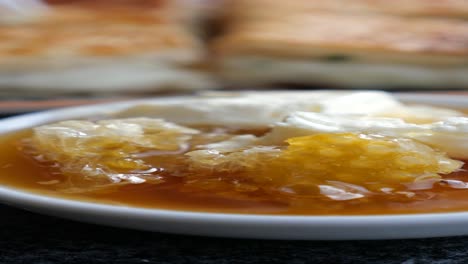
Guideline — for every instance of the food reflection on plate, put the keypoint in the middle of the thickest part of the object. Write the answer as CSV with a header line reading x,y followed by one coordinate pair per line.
x,y
298,153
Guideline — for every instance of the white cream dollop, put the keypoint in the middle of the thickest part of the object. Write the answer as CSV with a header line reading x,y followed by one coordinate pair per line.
x,y
262,109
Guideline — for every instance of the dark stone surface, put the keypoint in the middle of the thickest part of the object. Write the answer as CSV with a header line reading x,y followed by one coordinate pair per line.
x,y
31,238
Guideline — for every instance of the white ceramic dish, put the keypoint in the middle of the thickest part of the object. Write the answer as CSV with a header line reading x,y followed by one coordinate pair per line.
x,y
234,225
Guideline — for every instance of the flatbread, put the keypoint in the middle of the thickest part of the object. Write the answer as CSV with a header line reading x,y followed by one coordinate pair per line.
x,y
96,46
344,49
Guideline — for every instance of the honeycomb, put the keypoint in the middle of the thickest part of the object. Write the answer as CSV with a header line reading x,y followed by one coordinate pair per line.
x,y
341,166
360,159
109,150
309,162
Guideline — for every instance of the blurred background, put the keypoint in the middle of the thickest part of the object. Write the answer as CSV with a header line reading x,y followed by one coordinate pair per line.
x,y
64,52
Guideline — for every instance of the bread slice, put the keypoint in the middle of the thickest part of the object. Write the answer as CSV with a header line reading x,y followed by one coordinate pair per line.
x,y
347,50
98,46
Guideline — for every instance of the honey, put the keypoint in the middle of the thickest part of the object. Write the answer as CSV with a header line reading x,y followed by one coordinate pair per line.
x,y
178,186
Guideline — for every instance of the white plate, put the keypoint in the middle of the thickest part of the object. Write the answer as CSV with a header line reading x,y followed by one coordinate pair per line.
x,y
234,225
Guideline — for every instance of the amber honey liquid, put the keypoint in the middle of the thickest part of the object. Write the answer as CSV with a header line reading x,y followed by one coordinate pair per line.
x,y
19,171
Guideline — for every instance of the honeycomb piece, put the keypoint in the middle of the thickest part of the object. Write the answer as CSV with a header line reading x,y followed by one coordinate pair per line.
x,y
358,159
109,148
214,161
308,163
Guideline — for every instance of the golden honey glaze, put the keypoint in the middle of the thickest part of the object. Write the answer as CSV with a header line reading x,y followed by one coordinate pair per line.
x,y
19,171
